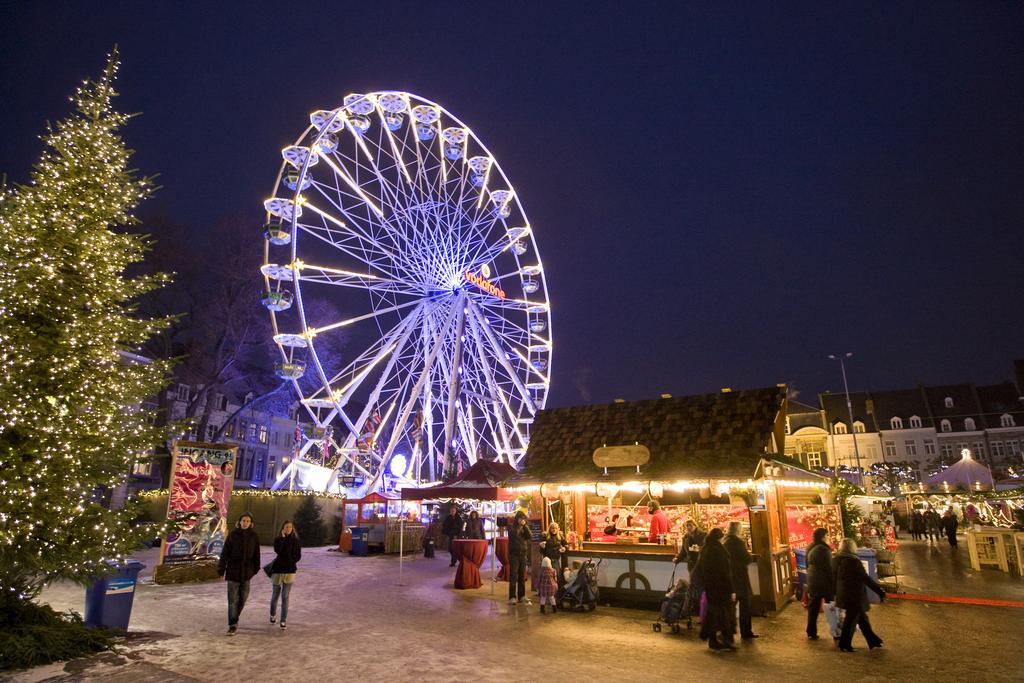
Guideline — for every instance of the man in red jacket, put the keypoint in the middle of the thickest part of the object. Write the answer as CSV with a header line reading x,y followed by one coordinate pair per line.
x,y
659,522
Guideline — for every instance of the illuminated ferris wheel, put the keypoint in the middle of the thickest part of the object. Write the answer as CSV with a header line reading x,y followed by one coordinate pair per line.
x,y
393,225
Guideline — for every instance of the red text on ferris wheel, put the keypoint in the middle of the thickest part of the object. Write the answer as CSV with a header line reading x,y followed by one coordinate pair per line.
x,y
485,285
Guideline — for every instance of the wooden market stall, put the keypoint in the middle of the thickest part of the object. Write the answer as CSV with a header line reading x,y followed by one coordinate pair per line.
x,y
710,459
381,514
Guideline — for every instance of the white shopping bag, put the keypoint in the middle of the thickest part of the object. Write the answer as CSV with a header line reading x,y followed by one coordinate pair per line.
x,y
834,617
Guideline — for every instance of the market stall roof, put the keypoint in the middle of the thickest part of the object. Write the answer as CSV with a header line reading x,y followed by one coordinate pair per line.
x,y
721,435
479,482
375,497
967,473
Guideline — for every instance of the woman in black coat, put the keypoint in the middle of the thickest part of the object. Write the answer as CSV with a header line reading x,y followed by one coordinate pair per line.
x,y
820,582
283,569
553,547
851,581
715,573
239,562
474,527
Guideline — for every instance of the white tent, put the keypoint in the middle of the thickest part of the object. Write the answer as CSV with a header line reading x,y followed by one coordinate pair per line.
x,y
968,473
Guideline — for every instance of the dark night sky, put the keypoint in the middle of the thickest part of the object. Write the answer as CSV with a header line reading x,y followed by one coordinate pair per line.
x,y
722,193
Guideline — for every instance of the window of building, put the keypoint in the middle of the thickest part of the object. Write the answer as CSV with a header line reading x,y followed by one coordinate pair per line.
x,y
142,468
872,453
787,425
890,449
182,392
814,460
263,433
1013,447
978,452
271,469
998,451
1007,421
221,402
896,423
946,426
858,427
229,431
210,431
969,424
839,428
911,447
929,447
949,401
915,422
250,432
947,451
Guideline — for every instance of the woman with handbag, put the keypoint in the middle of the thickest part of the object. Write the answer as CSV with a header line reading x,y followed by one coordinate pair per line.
x,y
283,569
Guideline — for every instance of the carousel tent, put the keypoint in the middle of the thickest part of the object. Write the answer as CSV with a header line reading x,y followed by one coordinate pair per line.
x,y
479,482
968,474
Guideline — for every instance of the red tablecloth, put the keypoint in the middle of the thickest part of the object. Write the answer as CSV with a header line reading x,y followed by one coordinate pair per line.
x,y
501,552
471,554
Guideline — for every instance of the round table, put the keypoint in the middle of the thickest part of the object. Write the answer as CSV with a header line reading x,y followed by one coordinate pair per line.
x,y
471,554
501,552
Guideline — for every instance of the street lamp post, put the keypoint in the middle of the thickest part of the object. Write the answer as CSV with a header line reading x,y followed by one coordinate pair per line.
x,y
849,407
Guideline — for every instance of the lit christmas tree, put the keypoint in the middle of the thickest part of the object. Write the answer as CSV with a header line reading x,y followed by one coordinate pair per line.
x,y
70,397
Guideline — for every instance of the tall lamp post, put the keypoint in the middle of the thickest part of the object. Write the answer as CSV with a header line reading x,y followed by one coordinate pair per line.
x,y
849,407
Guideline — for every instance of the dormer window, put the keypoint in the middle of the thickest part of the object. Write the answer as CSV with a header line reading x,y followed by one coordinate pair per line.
x,y
788,428
896,423
858,427
915,422
949,401
1006,420
839,428
969,425
946,426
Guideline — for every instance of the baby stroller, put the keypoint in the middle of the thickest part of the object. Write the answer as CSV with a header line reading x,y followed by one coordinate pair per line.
x,y
581,593
676,606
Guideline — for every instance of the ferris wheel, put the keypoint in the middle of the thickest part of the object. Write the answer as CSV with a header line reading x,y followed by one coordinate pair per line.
x,y
394,231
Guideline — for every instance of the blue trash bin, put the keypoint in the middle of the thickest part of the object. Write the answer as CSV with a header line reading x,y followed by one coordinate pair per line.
x,y
108,601
870,561
360,541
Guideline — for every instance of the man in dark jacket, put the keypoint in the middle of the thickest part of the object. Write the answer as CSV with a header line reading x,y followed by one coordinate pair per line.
x,y
452,529
239,562
739,560
519,538
820,582
949,525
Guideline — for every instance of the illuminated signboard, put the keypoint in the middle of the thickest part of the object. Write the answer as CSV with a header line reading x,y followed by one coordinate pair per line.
x,y
483,284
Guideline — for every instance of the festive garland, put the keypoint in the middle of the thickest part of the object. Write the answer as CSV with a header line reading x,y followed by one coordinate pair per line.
x,y
251,493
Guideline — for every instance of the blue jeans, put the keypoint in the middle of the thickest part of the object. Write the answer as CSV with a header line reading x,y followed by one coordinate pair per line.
x,y
238,591
282,589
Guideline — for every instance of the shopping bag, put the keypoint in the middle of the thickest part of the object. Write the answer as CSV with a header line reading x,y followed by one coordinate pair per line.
x,y
834,617
268,569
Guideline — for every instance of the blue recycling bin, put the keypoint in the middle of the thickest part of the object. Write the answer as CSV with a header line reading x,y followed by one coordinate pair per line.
x,y
360,541
870,561
108,601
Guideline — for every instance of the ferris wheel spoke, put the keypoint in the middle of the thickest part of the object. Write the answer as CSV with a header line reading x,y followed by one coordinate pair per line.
x,y
499,355
491,386
345,323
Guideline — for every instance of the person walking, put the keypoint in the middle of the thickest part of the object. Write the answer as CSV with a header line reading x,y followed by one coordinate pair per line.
x,y
239,562
716,576
548,585
739,560
949,525
820,582
283,569
474,527
452,529
933,524
518,558
851,581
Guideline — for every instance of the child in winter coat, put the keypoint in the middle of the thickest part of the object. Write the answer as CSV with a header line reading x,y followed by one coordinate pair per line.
x,y
548,585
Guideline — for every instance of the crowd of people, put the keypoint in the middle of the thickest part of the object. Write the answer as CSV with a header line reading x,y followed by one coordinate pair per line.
x,y
928,525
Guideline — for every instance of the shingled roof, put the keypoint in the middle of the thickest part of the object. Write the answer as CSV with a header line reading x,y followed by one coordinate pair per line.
x,y
709,435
